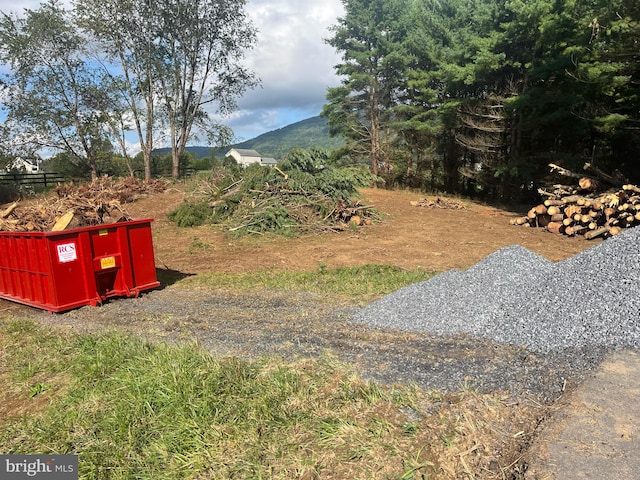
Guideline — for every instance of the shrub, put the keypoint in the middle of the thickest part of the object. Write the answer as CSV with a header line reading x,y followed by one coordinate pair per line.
x,y
190,214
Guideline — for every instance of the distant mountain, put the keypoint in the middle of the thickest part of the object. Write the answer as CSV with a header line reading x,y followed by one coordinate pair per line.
x,y
312,132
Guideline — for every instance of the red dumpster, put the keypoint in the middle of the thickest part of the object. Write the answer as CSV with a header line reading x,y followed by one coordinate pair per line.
x,y
58,271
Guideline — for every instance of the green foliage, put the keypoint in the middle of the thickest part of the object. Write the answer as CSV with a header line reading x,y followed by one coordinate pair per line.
x,y
480,95
54,94
190,214
304,161
9,193
204,163
67,166
302,194
374,63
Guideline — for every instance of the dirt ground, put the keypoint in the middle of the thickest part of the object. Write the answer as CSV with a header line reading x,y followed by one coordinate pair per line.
x,y
434,239
407,236
594,432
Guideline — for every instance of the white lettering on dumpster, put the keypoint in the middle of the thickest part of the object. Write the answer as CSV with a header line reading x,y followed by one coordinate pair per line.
x,y
67,252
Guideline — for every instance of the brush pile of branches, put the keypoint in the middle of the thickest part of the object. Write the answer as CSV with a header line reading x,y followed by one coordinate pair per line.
x,y
300,195
100,201
598,205
439,202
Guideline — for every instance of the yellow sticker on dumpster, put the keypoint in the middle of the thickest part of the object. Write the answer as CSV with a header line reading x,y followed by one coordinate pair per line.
x,y
103,232
107,262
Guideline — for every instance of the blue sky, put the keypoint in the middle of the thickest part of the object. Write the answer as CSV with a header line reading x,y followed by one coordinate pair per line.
x,y
295,65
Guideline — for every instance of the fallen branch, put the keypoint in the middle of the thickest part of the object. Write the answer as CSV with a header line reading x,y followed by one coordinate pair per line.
x,y
222,198
9,210
92,203
563,171
612,180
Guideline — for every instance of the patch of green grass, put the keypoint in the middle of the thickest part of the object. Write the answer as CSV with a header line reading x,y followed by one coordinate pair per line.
x,y
198,246
362,281
132,409
37,355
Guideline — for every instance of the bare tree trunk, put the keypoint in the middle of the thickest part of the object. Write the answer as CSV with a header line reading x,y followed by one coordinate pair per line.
x,y
375,146
374,129
148,144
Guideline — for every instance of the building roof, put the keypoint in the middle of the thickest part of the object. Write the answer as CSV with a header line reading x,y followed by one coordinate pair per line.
x,y
268,161
244,152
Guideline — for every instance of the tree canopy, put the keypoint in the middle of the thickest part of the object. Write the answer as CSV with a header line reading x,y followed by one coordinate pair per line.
x,y
479,96
80,78
53,95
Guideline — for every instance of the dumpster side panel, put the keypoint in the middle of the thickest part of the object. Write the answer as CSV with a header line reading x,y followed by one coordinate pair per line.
x,y
71,270
36,276
25,274
59,271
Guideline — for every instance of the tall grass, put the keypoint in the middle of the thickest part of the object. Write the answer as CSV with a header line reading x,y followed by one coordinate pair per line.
x,y
132,409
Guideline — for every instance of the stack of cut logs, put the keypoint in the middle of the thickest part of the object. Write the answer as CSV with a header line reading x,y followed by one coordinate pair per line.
x,y
585,209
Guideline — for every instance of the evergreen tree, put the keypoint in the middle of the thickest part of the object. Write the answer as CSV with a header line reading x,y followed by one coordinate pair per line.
x,y
419,115
373,66
607,80
481,95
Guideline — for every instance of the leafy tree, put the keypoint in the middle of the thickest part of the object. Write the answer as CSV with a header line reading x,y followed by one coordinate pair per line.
x,y
67,165
54,94
177,58
6,160
205,42
126,30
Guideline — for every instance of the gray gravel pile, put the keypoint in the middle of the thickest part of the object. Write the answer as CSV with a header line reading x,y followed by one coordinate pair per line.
x,y
516,297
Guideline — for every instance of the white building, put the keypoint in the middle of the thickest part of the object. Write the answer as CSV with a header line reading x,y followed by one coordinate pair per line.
x,y
24,165
245,157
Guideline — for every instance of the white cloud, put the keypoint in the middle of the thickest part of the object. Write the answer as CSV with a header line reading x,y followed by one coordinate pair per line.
x,y
293,61
291,58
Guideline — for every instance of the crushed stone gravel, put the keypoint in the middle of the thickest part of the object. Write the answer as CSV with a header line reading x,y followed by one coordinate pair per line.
x,y
516,297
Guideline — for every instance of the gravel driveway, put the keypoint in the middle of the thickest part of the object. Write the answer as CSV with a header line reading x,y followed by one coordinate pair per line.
x,y
300,325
